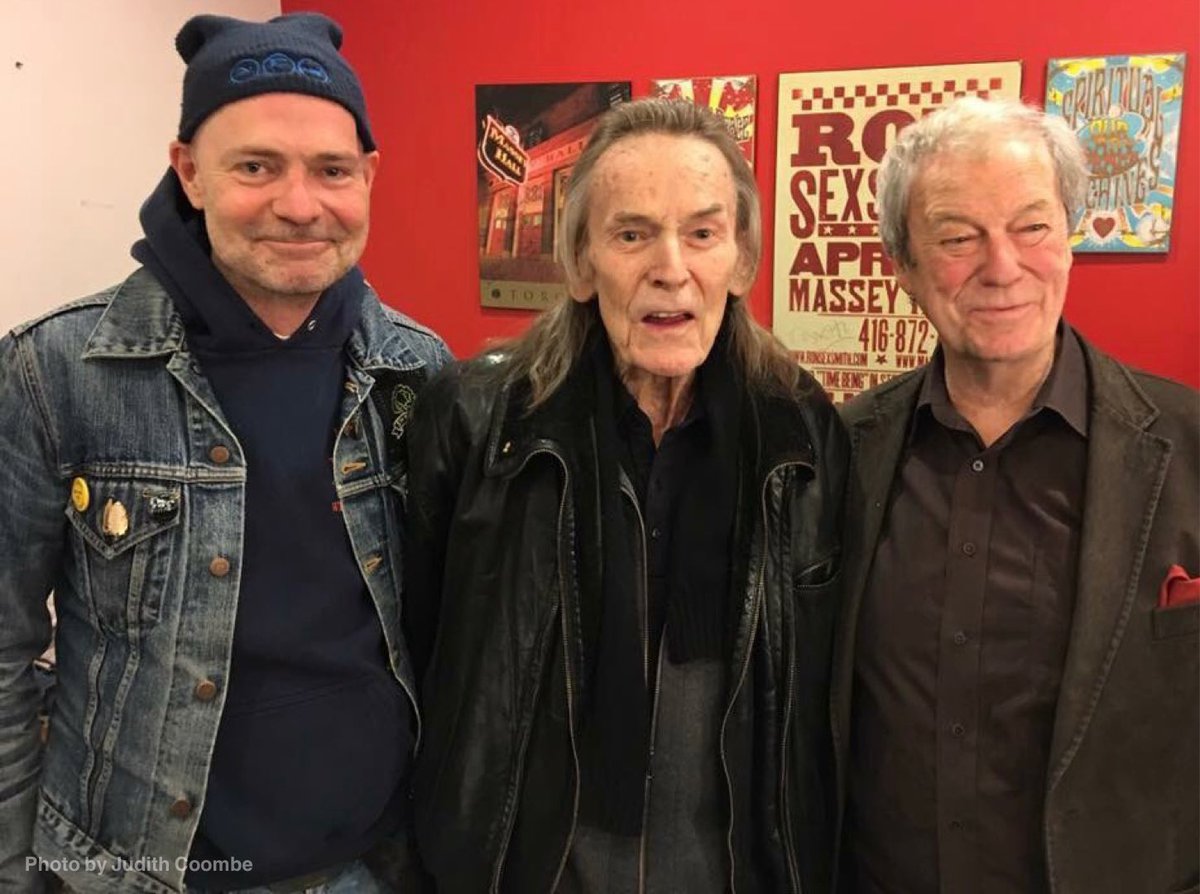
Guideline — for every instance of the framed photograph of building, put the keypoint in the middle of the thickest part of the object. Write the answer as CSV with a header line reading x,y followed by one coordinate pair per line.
x,y
527,139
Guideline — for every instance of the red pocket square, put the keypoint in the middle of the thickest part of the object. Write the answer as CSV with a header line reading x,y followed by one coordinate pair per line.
x,y
1178,589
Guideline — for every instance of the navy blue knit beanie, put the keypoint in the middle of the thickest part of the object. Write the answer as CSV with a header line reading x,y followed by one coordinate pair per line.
x,y
229,59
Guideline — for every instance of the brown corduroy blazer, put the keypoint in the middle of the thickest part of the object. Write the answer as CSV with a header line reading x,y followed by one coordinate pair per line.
x,y
1122,793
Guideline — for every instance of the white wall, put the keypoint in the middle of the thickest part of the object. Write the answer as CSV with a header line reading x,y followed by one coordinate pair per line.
x,y
89,100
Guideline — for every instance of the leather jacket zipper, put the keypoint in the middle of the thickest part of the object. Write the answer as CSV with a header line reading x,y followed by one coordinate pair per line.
x,y
758,599
758,592
789,840
498,868
567,672
645,592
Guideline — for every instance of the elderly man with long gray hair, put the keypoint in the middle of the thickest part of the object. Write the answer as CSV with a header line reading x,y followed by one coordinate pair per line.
x,y
1017,665
624,553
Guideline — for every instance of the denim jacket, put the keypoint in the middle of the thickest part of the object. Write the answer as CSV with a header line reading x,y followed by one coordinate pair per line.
x,y
124,493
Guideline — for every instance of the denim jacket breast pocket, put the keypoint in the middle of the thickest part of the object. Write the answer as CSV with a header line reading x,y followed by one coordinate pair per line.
x,y
123,541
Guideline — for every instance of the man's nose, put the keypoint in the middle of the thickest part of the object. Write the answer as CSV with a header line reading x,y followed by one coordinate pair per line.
x,y
296,201
669,270
1001,261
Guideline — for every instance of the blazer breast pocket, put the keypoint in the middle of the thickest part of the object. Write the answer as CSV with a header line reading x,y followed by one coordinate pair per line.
x,y
1177,621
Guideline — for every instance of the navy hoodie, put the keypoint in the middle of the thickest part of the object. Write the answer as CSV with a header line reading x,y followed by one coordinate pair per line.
x,y
313,747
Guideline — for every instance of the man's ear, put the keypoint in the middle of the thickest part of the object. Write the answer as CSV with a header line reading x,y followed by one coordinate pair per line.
x,y
583,286
183,162
1069,223
905,276
743,274
370,167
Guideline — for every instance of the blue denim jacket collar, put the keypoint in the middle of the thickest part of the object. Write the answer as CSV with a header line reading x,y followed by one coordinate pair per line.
x,y
140,321
376,343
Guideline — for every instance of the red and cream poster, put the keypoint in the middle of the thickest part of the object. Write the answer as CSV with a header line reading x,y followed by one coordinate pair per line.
x,y
837,305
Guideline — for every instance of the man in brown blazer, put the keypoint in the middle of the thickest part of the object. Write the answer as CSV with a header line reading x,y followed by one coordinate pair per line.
x,y
1015,698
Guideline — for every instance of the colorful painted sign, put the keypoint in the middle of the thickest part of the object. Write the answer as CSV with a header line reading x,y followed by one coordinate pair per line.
x,y
731,97
1126,111
837,305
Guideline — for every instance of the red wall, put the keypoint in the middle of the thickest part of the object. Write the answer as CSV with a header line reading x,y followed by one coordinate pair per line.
x,y
420,62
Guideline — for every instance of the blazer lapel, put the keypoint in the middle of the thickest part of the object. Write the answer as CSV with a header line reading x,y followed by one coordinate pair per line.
x,y
877,435
1126,469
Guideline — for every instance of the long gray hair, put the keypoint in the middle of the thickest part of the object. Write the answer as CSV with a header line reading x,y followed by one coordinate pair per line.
x,y
555,340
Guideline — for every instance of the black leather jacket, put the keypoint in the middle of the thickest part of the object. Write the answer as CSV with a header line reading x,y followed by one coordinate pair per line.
x,y
492,608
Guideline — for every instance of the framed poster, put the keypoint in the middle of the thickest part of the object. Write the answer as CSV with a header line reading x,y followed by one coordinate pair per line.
x,y
733,97
837,305
1125,111
527,138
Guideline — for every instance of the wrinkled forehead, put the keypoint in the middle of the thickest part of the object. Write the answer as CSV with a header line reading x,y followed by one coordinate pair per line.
x,y
967,165
655,168
977,146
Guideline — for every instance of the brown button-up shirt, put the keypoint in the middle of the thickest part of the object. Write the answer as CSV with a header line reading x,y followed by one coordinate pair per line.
x,y
961,640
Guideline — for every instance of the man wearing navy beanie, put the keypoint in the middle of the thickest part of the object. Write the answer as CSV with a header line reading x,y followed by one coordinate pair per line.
x,y
208,461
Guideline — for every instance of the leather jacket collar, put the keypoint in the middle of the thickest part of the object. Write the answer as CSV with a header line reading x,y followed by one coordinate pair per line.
x,y
778,438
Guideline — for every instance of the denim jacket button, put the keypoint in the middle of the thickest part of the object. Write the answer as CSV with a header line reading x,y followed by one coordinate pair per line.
x,y
219,454
218,567
181,808
205,691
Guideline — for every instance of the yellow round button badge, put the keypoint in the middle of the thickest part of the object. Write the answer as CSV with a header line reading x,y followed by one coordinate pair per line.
x,y
80,497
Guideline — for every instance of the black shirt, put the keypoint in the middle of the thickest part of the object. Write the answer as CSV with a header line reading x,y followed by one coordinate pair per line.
x,y
961,641
658,475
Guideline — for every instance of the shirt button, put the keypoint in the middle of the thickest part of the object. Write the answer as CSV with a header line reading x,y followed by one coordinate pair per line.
x,y
219,566
205,691
181,808
219,454
957,730
977,465
968,548
312,324
960,638
655,533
